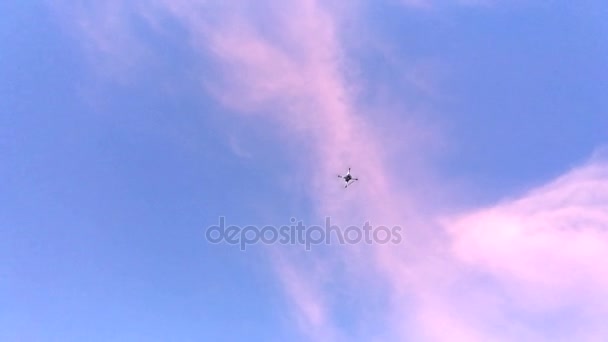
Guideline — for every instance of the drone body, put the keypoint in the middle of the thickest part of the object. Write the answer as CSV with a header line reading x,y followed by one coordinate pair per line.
x,y
348,178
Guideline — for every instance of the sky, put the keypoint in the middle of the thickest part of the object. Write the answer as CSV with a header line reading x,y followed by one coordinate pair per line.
x,y
129,128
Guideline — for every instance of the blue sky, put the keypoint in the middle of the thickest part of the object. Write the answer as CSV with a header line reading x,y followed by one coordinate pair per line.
x,y
128,128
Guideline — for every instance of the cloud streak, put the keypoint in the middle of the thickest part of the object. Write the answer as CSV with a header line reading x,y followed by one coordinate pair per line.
x,y
544,248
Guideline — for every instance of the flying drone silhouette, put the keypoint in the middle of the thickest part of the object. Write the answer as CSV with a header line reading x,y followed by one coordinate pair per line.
x,y
348,178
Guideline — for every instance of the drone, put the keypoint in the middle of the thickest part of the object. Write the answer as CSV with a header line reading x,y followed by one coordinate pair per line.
x,y
348,179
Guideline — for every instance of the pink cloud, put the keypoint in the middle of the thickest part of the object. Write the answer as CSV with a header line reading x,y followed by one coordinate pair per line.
x,y
545,246
298,77
516,271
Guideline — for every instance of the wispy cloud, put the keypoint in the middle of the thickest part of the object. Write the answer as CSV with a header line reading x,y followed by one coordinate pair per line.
x,y
543,249
107,34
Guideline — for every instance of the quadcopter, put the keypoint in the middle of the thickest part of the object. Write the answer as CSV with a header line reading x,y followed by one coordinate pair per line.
x,y
348,179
